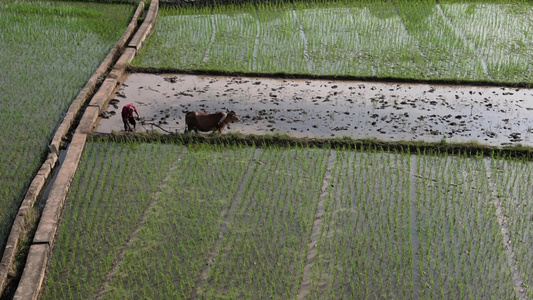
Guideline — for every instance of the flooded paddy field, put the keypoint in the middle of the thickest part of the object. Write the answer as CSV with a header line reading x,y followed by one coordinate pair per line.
x,y
210,221
496,116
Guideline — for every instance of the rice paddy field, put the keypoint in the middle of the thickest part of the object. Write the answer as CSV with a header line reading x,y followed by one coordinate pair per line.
x,y
466,41
174,221
218,221
49,51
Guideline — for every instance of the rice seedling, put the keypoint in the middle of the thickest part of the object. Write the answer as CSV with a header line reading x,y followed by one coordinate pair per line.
x,y
264,249
184,47
49,50
130,203
512,178
446,40
182,225
364,244
462,252
280,25
502,39
96,224
147,219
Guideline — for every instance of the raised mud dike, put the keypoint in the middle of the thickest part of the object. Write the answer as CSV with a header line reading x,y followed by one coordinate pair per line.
x,y
496,116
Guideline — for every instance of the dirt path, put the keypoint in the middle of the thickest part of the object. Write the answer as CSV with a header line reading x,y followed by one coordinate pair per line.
x,y
319,108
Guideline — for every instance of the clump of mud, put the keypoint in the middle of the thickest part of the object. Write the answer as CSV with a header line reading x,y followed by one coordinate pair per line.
x,y
320,108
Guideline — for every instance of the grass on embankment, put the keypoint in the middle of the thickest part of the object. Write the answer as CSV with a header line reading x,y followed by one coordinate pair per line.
x,y
279,140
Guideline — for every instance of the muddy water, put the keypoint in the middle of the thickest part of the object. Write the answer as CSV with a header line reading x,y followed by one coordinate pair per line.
x,y
323,108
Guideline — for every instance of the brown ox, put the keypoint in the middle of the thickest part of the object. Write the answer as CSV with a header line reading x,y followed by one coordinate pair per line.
x,y
209,122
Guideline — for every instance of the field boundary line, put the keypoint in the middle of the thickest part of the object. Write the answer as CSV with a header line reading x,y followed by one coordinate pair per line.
x,y
227,215
305,284
518,280
147,26
122,252
18,231
32,277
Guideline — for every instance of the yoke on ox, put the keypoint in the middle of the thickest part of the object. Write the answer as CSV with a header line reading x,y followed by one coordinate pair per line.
x,y
209,122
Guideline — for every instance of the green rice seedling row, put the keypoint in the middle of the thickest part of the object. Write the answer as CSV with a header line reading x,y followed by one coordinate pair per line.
x,y
181,225
213,221
512,180
500,34
364,248
185,46
445,40
448,53
344,36
461,251
49,50
228,35
112,190
151,220
265,248
275,28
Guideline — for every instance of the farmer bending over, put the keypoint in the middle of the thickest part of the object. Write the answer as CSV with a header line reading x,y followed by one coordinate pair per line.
x,y
127,117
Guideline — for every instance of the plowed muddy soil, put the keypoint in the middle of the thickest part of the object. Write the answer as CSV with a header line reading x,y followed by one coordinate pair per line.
x,y
325,108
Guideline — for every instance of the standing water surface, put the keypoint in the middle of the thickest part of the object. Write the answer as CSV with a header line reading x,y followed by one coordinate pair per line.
x,y
495,116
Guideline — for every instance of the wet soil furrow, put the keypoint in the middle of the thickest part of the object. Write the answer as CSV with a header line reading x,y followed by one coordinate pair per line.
x,y
257,36
227,216
466,40
303,35
212,41
413,225
317,224
518,280
122,253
